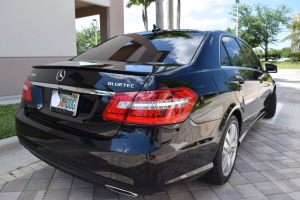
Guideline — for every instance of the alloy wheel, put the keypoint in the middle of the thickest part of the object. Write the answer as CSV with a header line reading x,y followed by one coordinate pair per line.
x,y
229,149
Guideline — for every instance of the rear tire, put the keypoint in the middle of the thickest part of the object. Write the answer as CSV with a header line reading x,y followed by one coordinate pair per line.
x,y
226,154
271,109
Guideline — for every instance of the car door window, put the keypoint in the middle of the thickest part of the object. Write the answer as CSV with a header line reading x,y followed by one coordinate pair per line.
x,y
250,59
225,60
234,51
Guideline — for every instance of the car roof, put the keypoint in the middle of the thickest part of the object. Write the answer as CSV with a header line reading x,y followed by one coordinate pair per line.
x,y
215,32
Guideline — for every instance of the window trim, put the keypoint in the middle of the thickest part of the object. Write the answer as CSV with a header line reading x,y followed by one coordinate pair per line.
x,y
222,44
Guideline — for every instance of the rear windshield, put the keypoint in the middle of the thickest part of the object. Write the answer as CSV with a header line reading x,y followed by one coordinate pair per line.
x,y
166,47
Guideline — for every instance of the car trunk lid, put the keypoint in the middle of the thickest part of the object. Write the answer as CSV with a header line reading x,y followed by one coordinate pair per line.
x,y
93,84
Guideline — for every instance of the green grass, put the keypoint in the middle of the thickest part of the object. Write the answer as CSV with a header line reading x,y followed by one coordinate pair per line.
x,y
285,64
7,120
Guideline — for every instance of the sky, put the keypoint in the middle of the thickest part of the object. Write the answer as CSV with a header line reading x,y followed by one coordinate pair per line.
x,y
197,14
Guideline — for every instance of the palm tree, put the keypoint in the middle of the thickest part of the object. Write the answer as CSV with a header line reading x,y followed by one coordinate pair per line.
x,y
170,14
295,36
178,14
159,14
145,4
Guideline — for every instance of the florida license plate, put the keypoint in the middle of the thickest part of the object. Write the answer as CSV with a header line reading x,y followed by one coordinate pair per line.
x,y
64,102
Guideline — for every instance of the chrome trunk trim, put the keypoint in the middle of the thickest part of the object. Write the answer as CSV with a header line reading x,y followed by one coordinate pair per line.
x,y
74,89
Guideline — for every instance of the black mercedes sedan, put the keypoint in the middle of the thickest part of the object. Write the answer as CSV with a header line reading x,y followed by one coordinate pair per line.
x,y
144,112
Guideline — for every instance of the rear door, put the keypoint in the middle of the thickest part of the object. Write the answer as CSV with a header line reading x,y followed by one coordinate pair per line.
x,y
234,63
265,80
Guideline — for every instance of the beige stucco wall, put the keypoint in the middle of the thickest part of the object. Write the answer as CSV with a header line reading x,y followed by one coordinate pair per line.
x,y
37,28
13,72
105,3
36,32
116,17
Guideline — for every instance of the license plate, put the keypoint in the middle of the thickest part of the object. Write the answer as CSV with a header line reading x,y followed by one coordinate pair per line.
x,y
64,102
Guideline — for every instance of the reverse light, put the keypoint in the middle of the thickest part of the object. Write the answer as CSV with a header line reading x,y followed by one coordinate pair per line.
x,y
26,93
155,107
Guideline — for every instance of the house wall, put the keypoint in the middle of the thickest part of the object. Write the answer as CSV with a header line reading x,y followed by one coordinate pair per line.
x,y
116,18
14,70
37,28
35,32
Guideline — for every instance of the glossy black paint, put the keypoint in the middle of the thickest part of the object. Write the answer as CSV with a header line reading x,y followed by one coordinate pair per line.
x,y
142,158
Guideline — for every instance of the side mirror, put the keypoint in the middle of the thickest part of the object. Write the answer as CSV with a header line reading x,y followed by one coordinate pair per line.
x,y
270,68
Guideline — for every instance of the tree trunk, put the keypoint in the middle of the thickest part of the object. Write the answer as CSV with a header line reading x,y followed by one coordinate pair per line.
x,y
178,14
146,18
266,51
159,14
170,12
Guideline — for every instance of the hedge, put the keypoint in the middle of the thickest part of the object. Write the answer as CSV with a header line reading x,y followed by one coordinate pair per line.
x,y
296,55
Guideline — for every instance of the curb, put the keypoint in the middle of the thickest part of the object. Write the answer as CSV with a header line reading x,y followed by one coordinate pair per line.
x,y
10,99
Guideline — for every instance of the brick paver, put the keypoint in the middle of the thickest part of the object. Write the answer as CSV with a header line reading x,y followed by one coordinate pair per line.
x,y
267,167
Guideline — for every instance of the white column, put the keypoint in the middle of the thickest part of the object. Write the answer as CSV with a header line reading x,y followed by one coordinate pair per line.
x,y
170,13
159,14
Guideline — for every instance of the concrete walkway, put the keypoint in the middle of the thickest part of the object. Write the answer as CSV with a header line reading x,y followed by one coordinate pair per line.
x,y
10,99
288,86
13,155
267,165
287,115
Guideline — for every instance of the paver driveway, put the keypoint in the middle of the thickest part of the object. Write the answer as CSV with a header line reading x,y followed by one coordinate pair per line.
x,y
267,167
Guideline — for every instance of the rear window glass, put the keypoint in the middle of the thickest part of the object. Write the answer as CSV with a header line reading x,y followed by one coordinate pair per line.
x,y
234,51
251,59
166,47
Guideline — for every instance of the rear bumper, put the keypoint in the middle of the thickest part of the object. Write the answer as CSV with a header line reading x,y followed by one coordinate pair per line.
x,y
144,173
75,171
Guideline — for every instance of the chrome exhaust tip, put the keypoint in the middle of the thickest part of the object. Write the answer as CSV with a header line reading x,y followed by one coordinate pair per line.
x,y
121,191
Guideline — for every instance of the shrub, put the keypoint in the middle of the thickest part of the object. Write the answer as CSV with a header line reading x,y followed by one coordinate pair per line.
x,y
296,55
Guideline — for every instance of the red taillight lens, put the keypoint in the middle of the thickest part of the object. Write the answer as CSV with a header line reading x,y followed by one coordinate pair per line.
x,y
151,107
26,94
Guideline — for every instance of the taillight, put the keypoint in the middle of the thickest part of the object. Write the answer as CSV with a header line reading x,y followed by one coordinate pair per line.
x,y
151,107
26,93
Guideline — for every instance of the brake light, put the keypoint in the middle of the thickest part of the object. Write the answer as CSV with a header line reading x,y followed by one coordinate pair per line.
x,y
151,107
26,93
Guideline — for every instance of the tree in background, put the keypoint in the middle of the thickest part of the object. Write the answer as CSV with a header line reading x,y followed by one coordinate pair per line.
x,y
145,4
259,52
253,42
276,53
261,23
295,36
286,52
85,38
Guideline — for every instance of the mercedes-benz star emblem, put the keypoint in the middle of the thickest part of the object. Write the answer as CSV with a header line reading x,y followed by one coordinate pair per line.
x,y
60,75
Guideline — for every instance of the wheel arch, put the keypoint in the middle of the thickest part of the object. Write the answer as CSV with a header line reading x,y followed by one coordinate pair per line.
x,y
233,109
274,89
237,113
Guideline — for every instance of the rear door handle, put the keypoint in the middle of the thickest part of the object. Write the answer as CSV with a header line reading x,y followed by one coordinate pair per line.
x,y
240,79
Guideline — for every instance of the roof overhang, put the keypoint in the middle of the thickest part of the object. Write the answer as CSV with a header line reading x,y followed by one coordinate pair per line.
x,y
86,3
